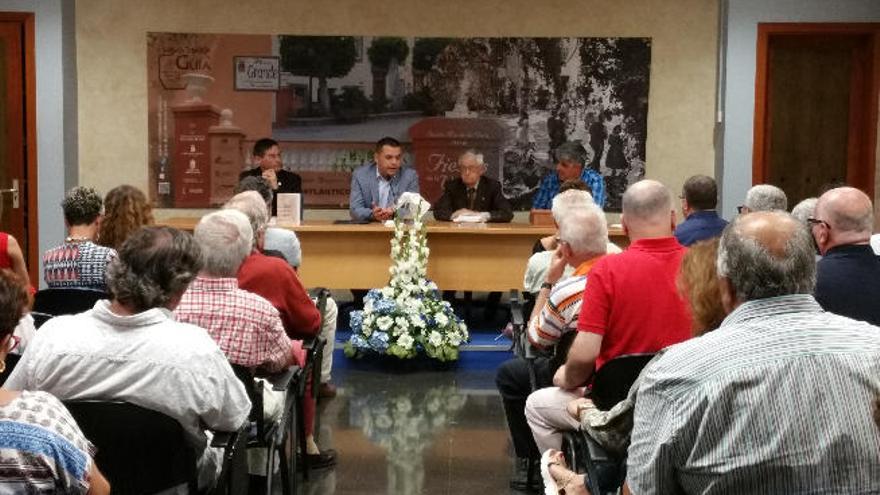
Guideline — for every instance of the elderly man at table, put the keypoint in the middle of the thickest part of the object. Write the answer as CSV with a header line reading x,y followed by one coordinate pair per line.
x,y
583,235
570,159
281,241
131,349
699,198
376,186
631,305
473,194
848,279
781,398
267,158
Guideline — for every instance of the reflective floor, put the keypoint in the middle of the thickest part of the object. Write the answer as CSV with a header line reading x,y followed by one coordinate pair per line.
x,y
437,432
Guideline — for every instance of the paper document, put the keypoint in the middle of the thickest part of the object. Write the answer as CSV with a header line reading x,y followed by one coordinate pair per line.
x,y
289,208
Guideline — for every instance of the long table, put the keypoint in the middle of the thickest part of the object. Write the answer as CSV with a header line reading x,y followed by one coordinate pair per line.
x,y
486,257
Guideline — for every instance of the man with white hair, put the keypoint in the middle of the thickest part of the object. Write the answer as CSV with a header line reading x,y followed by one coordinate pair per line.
x,y
472,193
583,235
848,280
764,197
630,305
781,398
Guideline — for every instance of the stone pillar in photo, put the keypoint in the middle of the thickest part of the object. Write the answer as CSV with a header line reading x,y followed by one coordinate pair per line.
x,y
226,158
192,154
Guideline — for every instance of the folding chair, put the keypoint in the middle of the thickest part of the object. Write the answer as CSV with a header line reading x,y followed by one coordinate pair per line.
x,y
66,300
314,358
142,451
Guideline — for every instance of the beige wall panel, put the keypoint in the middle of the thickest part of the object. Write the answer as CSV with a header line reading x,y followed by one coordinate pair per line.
x,y
111,60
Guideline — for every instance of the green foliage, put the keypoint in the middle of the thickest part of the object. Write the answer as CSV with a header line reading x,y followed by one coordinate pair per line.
x,y
426,50
350,104
318,56
385,49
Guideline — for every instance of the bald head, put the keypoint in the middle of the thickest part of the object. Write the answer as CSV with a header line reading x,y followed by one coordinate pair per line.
x,y
647,210
847,209
767,254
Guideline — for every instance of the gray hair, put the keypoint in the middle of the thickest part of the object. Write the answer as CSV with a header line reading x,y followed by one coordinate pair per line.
x,y
254,208
154,265
573,198
82,206
805,209
757,273
766,197
256,183
584,229
571,151
226,238
646,200
471,153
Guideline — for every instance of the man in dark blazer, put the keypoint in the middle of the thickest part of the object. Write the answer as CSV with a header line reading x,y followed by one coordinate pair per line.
x,y
267,157
473,194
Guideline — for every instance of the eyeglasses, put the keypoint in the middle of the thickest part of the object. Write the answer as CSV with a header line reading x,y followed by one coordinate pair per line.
x,y
815,221
739,209
13,342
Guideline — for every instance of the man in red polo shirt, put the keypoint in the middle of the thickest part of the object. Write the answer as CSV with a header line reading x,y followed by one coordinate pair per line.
x,y
631,305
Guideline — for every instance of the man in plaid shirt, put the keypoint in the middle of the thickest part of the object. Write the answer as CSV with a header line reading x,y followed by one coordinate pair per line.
x,y
570,159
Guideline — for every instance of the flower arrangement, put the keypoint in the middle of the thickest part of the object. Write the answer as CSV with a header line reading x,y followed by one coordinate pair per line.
x,y
407,316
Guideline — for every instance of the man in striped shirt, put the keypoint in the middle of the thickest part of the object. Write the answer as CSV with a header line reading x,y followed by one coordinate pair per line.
x,y
779,399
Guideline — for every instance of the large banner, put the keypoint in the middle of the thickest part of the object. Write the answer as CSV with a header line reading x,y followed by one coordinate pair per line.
x,y
327,99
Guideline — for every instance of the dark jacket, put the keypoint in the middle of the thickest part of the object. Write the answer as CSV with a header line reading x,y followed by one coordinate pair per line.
x,y
488,198
288,182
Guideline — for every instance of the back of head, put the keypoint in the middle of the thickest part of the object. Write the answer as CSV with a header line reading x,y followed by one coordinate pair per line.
x,y
804,210
766,197
82,206
849,211
126,210
13,299
263,145
767,254
226,238
575,184
571,151
647,209
254,208
698,283
258,184
584,228
154,265
700,192
572,198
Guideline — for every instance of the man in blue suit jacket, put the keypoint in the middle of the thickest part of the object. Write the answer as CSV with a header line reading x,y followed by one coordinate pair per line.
x,y
376,186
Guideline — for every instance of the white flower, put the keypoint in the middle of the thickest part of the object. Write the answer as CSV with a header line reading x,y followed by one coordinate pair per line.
x,y
417,321
367,330
387,292
441,319
454,338
405,341
384,323
435,339
401,323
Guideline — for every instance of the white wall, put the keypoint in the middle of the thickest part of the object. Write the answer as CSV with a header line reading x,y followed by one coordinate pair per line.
x,y
52,160
743,17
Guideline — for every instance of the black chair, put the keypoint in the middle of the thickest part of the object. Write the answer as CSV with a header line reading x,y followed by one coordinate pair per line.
x,y
66,300
314,358
142,451
40,318
278,437
11,361
605,471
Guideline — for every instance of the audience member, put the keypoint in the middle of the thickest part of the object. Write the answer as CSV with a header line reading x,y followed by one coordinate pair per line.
x,y
630,305
131,349
283,241
126,210
12,258
548,243
698,283
756,405
848,279
804,210
473,194
375,187
43,448
79,262
268,165
570,159
583,234
764,197
699,198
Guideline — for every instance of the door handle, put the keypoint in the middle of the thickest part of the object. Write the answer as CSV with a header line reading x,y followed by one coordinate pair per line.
x,y
14,191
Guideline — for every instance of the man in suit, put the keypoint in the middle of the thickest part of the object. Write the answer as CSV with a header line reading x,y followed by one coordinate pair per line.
x,y
267,156
472,193
376,186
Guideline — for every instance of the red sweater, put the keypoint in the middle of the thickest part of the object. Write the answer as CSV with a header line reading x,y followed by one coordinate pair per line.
x,y
276,281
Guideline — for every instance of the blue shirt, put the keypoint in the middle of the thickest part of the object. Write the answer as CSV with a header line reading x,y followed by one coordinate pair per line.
x,y
848,282
550,187
699,226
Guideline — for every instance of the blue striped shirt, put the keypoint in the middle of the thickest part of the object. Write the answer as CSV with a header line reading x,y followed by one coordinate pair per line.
x,y
550,187
779,399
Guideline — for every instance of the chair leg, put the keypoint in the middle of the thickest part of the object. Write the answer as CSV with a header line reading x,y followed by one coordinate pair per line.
x,y
301,440
270,468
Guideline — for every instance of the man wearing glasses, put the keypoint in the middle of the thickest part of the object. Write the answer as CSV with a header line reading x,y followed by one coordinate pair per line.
x,y
848,276
472,194
764,197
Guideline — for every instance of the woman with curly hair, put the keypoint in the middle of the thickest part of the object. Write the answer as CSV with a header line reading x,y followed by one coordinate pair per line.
x,y
126,209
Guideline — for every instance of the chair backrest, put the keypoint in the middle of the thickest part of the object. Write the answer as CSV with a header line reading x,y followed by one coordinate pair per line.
x,y
140,451
246,376
66,300
614,379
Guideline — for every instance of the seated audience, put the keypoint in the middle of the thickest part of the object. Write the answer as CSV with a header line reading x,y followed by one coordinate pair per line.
x,y
276,281
764,197
583,235
804,210
131,349
44,451
126,209
848,277
780,398
268,165
282,241
631,305
570,159
473,194
79,262
375,187
12,258
699,198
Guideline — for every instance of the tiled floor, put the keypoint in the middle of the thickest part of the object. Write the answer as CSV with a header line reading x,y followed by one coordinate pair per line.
x,y
428,432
